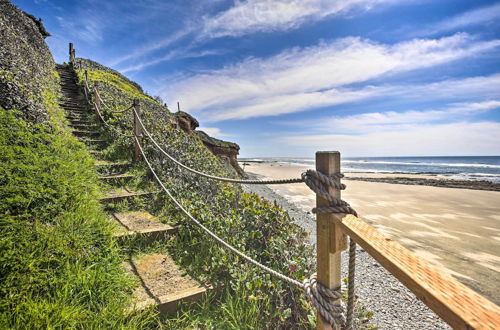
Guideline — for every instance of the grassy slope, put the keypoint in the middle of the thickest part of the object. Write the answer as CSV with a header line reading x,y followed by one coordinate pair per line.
x,y
59,264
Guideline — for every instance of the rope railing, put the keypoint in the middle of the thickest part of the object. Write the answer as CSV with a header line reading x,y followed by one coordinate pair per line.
x,y
109,108
317,293
98,111
209,176
325,299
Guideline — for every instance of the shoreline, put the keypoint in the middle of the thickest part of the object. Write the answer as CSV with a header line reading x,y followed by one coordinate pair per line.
x,y
430,179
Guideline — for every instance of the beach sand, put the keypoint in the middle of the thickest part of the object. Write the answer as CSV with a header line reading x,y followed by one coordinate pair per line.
x,y
456,229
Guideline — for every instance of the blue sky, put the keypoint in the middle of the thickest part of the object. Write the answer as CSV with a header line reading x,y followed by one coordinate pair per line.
x,y
287,78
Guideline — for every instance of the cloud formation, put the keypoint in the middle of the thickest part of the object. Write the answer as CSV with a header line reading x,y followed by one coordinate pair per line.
x,y
305,78
479,16
393,120
254,16
449,139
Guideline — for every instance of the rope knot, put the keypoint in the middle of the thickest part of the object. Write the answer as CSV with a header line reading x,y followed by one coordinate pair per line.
x,y
320,184
321,296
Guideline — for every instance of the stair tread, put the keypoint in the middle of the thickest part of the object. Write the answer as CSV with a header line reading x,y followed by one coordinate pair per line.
x,y
118,194
110,163
115,176
153,271
138,222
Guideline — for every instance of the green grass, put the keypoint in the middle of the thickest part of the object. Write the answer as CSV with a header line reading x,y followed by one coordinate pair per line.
x,y
59,266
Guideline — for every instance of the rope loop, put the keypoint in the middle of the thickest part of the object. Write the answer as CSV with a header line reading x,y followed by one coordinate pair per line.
x,y
321,296
320,184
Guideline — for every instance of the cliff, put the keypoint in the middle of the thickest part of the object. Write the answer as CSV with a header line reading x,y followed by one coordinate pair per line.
x,y
27,79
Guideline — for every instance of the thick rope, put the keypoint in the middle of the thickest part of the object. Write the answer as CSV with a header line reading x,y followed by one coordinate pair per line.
x,y
320,184
350,284
99,114
319,294
281,181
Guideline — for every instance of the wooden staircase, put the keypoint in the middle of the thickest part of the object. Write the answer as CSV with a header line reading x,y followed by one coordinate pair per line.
x,y
162,283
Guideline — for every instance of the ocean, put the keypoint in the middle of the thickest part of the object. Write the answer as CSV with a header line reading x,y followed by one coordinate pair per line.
x,y
485,168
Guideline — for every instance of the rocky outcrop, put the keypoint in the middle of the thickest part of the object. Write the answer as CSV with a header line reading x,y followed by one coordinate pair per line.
x,y
186,122
223,149
26,64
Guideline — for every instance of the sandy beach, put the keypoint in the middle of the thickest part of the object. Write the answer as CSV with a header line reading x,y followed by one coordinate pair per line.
x,y
456,229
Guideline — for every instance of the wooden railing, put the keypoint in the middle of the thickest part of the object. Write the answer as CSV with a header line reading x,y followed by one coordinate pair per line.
x,y
455,303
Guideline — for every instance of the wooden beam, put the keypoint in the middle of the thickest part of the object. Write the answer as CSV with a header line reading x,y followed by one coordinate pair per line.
x,y
455,303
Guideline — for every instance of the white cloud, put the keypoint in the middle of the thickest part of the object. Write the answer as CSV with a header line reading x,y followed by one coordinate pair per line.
x,y
174,54
299,79
391,120
212,131
480,16
460,138
276,15
158,44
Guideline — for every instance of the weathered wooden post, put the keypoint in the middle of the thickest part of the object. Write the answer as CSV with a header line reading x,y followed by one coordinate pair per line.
x,y
330,240
97,102
137,129
178,107
71,53
85,86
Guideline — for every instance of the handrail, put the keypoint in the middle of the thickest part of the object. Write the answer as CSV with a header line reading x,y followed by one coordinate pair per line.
x,y
454,302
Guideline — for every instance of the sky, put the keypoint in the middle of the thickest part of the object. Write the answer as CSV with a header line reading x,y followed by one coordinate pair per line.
x,y
288,78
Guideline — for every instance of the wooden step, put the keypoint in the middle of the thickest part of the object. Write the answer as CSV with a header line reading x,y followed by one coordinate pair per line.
x,y
86,133
143,224
103,165
163,284
114,176
80,121
82,126
98,143
118,195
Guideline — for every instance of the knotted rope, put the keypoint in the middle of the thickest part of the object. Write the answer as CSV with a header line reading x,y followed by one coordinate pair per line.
x,y
321,296
320,184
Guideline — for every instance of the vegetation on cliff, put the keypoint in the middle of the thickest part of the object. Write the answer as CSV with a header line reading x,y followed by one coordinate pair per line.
x,y
250,298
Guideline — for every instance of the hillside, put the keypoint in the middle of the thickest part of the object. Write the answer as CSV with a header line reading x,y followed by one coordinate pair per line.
x,y
61,266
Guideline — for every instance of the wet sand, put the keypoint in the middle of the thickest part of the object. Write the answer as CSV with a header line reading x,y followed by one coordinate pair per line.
x,y
456,229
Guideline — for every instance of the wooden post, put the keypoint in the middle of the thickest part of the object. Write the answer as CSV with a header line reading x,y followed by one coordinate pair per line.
x,y
71,52
178,107
330,241
97,102
85,85
137,129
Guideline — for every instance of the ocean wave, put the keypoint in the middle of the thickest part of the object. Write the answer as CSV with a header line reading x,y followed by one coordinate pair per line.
x,y
421,164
